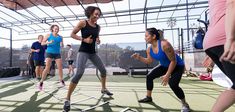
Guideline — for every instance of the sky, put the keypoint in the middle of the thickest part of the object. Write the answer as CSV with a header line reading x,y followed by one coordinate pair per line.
x,y
110,39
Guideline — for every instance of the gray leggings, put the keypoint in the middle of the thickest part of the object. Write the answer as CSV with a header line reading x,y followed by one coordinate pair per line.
x,y
81,65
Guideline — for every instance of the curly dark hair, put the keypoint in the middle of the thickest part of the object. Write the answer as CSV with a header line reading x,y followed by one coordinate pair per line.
x,y
90,10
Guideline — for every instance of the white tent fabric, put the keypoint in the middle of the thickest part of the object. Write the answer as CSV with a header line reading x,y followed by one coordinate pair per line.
x,y
23,4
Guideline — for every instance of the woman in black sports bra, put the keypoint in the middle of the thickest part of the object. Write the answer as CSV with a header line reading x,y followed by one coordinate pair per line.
x,y
90,37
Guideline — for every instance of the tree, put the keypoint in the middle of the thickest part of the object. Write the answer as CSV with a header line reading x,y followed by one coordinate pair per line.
x,y
25,48
109,53
171,22
129,48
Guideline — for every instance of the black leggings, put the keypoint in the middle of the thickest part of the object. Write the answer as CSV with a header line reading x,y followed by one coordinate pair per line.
x,y
229,69
173,82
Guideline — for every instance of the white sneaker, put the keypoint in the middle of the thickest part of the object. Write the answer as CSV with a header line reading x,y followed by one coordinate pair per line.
x,y
185,108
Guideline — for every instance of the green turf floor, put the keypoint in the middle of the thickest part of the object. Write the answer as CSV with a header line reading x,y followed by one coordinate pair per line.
x,y
21,95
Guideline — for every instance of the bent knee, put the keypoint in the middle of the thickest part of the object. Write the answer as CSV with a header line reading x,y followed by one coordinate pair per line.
x,y
103,73
76,78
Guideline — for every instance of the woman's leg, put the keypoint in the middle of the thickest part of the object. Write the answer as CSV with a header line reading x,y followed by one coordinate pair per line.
x,y
174,83
154,73
69,68
72,69
47,69
60,68
41,70
175,80
81,62
226,98
95,59
37,70
224,101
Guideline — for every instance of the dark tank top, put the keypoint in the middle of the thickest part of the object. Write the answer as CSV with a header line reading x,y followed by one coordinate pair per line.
x,y
86,32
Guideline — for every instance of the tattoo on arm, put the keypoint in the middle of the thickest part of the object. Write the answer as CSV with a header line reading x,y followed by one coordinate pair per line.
x,y
170,53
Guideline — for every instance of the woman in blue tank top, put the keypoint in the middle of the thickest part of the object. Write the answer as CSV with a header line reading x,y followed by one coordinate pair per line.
x,y
170,69
53,41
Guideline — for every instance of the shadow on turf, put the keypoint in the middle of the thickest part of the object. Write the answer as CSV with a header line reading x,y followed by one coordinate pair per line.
x,y
12,84
106,107
33,104
166,110
13,91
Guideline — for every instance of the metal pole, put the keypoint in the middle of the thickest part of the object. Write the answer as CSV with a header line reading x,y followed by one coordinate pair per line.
x,y
178,39
182,42
106,54
187,20
206,20
146,26
10,47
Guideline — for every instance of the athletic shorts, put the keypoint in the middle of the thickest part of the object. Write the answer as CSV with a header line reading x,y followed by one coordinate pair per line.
x,y
228,68
53,56
70,62
38,63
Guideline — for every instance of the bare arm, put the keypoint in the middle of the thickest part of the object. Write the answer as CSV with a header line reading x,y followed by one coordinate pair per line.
x,y
169,51
35,50
207,62
98,38
62,42
230,20
147,60
44,41
229,46
79,26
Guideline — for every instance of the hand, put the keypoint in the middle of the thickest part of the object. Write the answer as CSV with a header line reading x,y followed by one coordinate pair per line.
x,y
165,79
98,41
136,56
229,51
38,50
88,40
49,42
207,62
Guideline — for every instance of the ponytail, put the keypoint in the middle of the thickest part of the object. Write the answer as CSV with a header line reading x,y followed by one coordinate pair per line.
x,y
153,31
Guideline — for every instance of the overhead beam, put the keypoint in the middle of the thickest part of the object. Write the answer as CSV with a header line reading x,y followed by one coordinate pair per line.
x,y
110,14
106,15
125,23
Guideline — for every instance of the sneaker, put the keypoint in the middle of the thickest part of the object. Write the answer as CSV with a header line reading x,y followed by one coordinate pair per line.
x,y
62,83
105,91
40,86
146,99
66,106
185,108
